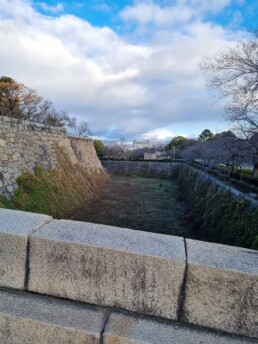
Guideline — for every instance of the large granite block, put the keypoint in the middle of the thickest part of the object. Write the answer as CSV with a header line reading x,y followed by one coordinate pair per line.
x,y
15,227
123,329
31,319
103,265
222,288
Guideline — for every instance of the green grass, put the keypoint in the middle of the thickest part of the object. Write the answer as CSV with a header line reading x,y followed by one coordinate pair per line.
x,y
245,171
147,204
5,203
58,192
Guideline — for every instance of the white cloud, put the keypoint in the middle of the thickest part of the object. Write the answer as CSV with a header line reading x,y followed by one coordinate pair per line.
x,y
103,7
158,134
181,11
102,78
51,9
207,5
144,13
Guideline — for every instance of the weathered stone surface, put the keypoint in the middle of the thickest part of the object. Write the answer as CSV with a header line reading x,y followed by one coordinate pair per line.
x,y
25,144
15,226
123,329
31,319
110,266
222,288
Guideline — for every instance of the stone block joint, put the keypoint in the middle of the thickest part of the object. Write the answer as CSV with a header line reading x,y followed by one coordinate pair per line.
x,y
181,300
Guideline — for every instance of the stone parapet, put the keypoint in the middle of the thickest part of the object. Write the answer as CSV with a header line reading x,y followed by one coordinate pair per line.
x,y
128,329
165,277
15,228
108,266
222,288
33,319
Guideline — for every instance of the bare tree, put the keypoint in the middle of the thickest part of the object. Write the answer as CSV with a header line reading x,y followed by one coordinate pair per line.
x,y
234,74
82,128
230,151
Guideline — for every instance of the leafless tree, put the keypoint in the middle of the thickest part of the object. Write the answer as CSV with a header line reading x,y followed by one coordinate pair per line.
x,y
230,151
118,150
81,128
234,74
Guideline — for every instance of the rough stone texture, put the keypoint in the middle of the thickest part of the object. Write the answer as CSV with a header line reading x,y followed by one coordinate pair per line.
x,y
109,266
222,288
31,319
85,152
141,168
15,227
24,144
124,329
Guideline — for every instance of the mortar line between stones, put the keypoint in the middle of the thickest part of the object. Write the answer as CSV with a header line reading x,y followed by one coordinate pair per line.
x,y
101,340
27,266
181,300
27,262
42,225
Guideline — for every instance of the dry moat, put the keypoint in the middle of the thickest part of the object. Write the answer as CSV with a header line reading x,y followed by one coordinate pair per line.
x,y
147,204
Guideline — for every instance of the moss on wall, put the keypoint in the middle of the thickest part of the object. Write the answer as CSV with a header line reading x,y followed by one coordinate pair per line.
x,y
215,214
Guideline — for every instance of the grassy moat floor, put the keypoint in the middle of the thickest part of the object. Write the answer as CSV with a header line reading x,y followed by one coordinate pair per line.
x,y
145,204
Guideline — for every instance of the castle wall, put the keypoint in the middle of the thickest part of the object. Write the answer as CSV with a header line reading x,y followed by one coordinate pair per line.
x,y
24,144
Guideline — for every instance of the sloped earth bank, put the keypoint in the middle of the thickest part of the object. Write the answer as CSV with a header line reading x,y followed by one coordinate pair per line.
x,y
145,204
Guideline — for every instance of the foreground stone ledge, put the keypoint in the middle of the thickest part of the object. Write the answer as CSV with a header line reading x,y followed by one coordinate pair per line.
x,y
31,319
123,329
103,265
222,288
15,227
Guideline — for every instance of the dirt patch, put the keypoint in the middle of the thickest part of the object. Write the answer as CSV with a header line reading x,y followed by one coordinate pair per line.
x,y
145,204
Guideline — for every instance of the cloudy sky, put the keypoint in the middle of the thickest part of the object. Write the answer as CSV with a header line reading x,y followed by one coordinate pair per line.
x,y
128,68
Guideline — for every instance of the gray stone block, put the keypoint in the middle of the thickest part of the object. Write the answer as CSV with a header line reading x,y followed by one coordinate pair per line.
x,y
222,288
15,227
31,319
123,329
133,270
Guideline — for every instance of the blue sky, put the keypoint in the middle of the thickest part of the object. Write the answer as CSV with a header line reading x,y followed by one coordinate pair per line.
x,y
106,13
129,68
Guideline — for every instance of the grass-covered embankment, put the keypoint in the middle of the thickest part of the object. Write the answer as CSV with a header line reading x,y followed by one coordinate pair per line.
x,y
145,204
215,214
58,192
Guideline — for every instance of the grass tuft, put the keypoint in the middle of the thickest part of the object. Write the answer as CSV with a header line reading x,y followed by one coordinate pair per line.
x,y
58,192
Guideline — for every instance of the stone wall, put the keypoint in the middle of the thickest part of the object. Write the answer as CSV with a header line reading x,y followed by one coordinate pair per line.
x,y
142,285
24,144
141,168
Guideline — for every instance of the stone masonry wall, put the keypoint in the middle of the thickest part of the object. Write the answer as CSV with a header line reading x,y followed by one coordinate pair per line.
x,y
85,152
24,144
139,274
